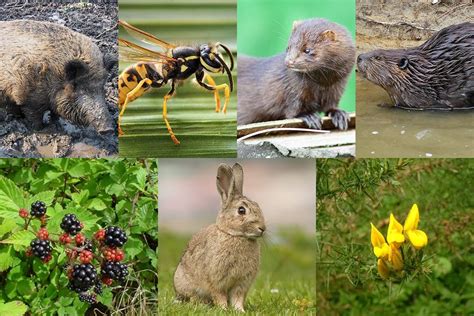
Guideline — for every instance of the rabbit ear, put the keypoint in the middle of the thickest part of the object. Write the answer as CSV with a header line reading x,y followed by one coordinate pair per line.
x,y
237,179
223,181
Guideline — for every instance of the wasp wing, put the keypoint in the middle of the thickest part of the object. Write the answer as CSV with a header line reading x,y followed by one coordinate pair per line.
x,y
133,52
145,36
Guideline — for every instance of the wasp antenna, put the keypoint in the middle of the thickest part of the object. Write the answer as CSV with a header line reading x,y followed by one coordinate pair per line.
x,y
227,70
229,53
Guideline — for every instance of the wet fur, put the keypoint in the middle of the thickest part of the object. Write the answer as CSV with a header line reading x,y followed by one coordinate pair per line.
x,y
34,58
269,90
439,74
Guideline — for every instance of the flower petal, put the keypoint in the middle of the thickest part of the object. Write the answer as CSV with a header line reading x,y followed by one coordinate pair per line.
x,y
382,252
376,237
411,222
382,267
395,231
396,257
418,238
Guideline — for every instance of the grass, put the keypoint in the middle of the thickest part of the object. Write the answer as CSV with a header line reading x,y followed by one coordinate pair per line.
x,y
285,284
353,193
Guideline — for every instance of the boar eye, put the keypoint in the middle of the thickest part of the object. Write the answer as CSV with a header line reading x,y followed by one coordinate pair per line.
x,y
403,63
241,210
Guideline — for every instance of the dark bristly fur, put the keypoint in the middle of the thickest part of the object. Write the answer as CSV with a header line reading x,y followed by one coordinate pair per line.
x,y
438,75
295,83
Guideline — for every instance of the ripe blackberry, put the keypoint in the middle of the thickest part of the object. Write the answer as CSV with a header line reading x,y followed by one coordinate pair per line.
x,y
115,237
114,270
88,298
70,224
98,288
41,248
84,276
38,209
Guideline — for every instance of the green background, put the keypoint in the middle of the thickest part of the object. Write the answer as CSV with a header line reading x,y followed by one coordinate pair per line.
x,y
264,27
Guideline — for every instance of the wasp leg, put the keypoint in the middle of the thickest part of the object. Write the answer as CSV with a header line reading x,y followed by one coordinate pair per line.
x,y
216,92
132,95
224,86
165,113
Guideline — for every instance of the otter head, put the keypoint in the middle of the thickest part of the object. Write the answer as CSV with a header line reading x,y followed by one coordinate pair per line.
x,y
318,45
401,72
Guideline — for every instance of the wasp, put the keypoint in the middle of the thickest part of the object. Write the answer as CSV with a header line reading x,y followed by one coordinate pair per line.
x,y
170,64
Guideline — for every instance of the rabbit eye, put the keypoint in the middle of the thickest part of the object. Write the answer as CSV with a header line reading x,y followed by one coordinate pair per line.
x,y
241,210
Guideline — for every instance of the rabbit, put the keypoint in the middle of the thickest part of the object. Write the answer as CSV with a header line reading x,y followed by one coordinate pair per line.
x,y
221,261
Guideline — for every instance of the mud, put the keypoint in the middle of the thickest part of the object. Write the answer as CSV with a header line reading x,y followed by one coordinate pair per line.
x,y
59,138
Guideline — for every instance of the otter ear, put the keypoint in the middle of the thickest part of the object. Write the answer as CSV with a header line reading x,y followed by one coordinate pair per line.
x,y
329,35
295,24
223,181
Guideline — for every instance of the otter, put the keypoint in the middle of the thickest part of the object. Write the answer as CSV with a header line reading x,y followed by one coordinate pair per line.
x,y
309,78
437,75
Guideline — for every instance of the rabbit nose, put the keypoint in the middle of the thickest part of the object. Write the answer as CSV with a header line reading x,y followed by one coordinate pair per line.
x,y
261,229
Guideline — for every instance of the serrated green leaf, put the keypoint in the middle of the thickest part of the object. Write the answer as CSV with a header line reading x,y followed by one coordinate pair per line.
x,y
80,169
22,237
133,247
14,308
11,197
7,226
81,197
97,204
25,287
6,258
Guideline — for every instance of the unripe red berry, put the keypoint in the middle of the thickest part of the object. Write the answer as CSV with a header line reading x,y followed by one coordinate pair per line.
x,y
65,238
47,258
71,254
23,213
42,234
100,234
43,220
29,252
80,239
85,256
107,281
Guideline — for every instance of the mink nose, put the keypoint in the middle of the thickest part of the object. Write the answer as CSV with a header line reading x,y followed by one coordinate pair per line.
x,y
289,62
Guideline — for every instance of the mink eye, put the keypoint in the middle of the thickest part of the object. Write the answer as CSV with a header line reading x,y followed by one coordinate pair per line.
x,y
307,51
241,210
403,63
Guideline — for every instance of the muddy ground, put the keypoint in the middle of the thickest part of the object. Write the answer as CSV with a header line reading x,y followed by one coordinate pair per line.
x,y
61,138
406,23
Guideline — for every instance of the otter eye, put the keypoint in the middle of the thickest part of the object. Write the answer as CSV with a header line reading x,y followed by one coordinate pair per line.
x,y
403,63
241,210
378,58
307,51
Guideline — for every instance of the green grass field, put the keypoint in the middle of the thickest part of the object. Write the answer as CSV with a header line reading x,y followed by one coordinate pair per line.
x,y
353,193
285,284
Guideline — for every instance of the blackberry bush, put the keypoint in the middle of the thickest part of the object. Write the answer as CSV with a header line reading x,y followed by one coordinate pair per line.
x,y
38,209
70,224
114,270
115,237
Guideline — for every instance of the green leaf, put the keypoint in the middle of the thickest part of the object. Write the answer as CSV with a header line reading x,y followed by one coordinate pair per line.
x,y
81,197
11,198
7,226
133,247
22,237
25,287
14,308
6,258
80,169
97,204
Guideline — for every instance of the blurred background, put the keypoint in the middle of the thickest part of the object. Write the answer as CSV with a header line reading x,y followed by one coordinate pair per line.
x,y
202,132
285,191
265,26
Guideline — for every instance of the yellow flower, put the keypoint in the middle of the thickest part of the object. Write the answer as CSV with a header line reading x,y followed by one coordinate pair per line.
x,y
381,248
418,238
395,232
383,269
395,257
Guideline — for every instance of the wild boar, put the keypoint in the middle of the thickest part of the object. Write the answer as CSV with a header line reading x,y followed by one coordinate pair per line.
x,y
45,66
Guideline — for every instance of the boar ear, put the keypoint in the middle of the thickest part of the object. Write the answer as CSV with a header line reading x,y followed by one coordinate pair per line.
x,y
109,61
75,69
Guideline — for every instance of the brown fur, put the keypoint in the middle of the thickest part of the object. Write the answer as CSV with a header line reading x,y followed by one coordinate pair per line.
x,y
295,83
437,75
46,66
222,260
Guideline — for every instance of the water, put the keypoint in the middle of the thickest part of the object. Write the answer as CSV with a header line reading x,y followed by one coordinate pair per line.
x,y
391,132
